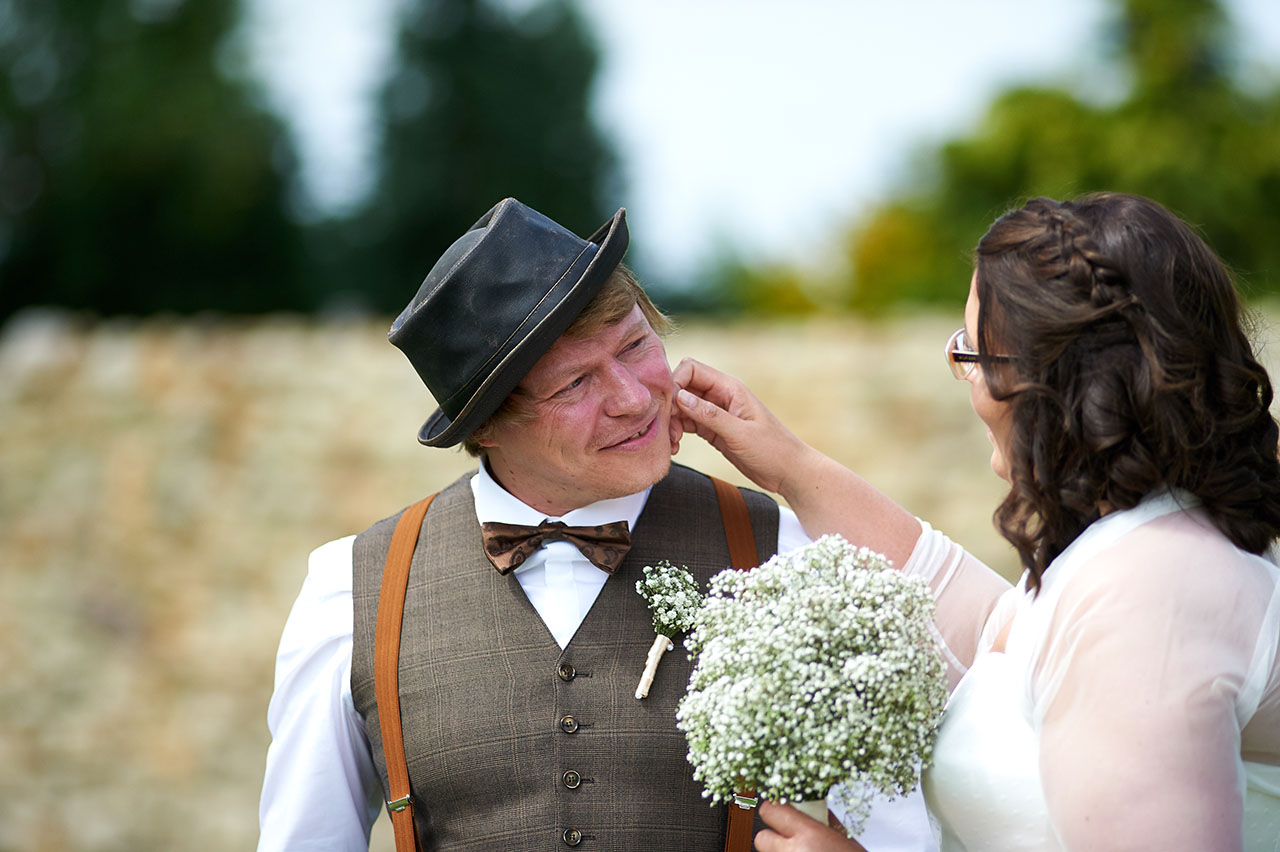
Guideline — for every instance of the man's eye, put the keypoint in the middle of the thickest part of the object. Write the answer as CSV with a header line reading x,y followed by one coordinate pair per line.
x,y
573,384
634,344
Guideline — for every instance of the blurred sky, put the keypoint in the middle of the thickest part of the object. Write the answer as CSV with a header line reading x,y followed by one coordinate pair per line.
x,y
752,125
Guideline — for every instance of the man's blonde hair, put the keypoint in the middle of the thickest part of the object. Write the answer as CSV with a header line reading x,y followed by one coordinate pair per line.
x,y
617,296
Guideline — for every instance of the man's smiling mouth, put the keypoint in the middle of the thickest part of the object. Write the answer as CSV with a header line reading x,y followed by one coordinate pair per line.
x,y
648,427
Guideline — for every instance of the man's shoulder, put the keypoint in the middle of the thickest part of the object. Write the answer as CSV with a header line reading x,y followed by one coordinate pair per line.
x,y
686,504
458,490
449,506
688,477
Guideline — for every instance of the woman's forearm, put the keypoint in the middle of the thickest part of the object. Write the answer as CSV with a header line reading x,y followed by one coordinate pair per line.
x,y
827,497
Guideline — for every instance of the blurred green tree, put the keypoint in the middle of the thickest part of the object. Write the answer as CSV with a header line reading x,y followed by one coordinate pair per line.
x,y
1185,133
485,101
137,173
736,286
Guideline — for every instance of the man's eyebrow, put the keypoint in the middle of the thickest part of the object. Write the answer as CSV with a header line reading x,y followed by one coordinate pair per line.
x,y
572,371
637,325
554,381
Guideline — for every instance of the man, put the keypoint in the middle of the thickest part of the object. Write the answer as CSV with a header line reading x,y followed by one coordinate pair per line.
x,y
518,665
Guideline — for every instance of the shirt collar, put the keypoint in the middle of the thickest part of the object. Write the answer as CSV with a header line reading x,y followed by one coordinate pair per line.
x,y
494,503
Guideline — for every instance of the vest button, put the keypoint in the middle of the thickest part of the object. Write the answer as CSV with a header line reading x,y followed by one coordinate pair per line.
x,y
572,837
566,672
568,724
572,779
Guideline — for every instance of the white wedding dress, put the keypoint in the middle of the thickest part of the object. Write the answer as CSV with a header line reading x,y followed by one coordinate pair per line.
x,y
1136,704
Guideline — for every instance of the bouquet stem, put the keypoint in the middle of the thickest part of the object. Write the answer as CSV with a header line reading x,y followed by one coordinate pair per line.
x,y
815,810
661,644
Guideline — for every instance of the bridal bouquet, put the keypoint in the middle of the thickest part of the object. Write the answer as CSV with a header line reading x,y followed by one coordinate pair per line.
x,y
815,669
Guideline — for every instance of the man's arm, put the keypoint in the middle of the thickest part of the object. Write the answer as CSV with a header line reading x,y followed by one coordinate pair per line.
x,y
321,790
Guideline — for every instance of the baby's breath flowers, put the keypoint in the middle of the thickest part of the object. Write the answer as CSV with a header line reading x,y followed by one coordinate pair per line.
x,y
814,669
674,599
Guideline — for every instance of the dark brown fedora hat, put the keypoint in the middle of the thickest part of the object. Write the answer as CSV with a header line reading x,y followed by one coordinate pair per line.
x,y
493,304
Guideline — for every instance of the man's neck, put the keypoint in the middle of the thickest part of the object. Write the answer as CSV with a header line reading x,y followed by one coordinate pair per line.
x,y
534,501
626,507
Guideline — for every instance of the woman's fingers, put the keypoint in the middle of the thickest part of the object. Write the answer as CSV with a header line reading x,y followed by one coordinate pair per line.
x,y
784,819
706,394
709,383
703,413
769,841
675,427
723,411
701,392
792,831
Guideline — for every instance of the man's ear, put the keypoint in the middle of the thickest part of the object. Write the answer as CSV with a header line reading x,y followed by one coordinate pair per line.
x,y
483,436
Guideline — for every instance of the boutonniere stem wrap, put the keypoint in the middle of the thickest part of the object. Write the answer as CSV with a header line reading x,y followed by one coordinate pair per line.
x,y
674,599
661,644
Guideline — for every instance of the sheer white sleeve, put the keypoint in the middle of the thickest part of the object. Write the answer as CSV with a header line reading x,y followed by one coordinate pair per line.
x,y
1148,683
321,790
973,601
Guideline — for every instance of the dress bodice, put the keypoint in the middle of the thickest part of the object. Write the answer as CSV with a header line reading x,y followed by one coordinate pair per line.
x,y
986,787
983,787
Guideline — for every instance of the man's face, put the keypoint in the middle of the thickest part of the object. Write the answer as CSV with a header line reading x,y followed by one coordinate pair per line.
x,y
600,429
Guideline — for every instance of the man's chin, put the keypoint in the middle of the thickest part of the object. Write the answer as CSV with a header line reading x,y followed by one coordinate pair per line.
x,y
622,475
663,468
644,475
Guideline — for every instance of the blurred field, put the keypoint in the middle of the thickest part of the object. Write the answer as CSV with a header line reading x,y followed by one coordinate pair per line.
x,y
161,484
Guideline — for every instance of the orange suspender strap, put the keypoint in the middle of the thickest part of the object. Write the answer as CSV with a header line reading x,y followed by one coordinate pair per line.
x,y
737,526
743,556
386,671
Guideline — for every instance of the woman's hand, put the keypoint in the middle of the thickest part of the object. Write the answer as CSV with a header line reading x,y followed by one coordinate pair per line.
x,y
791,831
825,495
722,410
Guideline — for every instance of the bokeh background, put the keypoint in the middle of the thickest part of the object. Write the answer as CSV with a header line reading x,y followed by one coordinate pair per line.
x,y
210,211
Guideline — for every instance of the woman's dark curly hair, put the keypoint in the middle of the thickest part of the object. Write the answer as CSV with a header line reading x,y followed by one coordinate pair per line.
x,y
1132,373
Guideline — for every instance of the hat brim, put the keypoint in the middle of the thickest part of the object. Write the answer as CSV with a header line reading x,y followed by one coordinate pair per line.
x,y
566,301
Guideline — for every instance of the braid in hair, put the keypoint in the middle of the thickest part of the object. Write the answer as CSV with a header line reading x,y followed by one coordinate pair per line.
x,y
1132,373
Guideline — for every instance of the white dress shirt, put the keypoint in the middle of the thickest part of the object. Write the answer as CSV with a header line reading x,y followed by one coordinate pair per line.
x,y
321,790
560,582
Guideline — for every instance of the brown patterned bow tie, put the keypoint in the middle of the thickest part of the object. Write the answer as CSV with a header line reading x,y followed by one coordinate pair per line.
x,y
509,545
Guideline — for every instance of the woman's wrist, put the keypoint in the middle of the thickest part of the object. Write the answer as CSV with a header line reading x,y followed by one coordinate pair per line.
x,y
806,471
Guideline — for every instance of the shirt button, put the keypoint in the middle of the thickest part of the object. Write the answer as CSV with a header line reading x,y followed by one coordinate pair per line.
x,y
572,837
566,672
572,779
568,724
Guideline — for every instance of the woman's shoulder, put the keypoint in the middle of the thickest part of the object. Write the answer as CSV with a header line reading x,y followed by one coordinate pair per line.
x,y
1176,565
1172,595
1185,541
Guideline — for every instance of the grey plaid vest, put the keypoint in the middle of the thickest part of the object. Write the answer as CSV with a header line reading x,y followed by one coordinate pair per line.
x,y
515,744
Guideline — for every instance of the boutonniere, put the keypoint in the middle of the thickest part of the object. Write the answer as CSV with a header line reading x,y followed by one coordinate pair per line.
x,y
674,600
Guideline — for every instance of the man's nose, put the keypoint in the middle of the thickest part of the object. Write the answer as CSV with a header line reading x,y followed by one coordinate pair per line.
x,y
625,393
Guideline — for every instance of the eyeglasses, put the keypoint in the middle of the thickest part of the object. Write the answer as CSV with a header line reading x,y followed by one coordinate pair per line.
x,y
963,358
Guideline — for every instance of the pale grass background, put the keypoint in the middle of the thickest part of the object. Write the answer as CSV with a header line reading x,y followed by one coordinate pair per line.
x,y
162,482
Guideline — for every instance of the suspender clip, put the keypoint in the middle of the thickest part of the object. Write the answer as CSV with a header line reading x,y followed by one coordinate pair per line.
x,y
399,804
745,802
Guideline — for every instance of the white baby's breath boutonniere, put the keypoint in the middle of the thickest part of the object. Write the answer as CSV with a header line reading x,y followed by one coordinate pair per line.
x,y
815,669
674,600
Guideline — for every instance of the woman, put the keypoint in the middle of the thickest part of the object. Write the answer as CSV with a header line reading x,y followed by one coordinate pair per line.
x,y
1126,695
